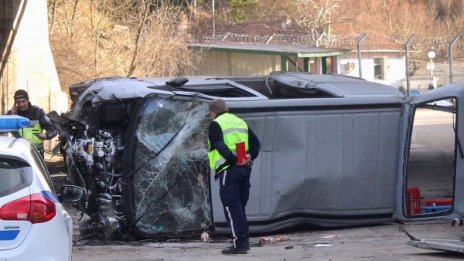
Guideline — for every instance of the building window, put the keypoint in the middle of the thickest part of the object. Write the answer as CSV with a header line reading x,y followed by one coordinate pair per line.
x,y
379,69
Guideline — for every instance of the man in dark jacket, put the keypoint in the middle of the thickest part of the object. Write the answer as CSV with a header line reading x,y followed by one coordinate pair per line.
x,y
38,118
225,132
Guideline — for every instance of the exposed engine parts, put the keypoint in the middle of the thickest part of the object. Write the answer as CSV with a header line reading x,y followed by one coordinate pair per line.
x,y
97,163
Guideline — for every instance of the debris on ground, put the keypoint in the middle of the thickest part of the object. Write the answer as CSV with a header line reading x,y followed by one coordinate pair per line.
x,y
411,237
322,245
204,236
457,222
330,236
271,240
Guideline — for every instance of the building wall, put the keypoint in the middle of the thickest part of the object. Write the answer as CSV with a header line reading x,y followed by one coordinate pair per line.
x,y
8,11
393,67
236,64
30,64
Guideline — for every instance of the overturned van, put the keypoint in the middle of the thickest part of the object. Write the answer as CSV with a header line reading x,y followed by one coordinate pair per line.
x,y
336,151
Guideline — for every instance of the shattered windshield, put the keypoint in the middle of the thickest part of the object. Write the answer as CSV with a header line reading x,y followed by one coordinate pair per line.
x,y
170,187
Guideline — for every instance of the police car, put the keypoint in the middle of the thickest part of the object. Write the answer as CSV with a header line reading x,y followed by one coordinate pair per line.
x,y
33,223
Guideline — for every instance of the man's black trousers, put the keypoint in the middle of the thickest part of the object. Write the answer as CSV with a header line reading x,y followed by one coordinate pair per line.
x,y
234,190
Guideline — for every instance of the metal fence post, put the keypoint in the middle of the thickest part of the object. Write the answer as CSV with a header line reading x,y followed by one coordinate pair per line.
x,y
406,47
450,57
359,53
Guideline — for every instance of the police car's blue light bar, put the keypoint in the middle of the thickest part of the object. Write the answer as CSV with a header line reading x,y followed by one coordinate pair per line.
x,y
13,123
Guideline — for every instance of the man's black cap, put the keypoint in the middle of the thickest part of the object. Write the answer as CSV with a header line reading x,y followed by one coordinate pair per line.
x,y
21,94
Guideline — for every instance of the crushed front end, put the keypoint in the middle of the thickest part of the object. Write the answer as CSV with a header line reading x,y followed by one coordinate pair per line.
x,y
142,161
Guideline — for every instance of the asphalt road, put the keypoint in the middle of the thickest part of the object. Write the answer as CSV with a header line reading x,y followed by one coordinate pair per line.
x,y
383,242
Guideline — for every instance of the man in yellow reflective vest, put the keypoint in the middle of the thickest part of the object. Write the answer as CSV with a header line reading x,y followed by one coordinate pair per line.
x,y
225,131
39,121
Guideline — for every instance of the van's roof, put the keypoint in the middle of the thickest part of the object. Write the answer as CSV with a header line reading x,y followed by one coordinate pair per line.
x,y
336,85
288,85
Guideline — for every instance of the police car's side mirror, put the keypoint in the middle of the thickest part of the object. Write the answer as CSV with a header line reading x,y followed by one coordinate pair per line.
x,y
71,194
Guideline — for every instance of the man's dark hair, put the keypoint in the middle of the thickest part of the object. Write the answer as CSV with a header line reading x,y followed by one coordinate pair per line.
x,y
218,106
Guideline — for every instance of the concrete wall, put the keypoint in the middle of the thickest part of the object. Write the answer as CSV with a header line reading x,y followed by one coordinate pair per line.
x,y
236,64
243,64
393,62
30,64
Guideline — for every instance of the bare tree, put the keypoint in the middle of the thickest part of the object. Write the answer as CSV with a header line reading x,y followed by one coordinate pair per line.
x,y
119,37
52,7
164,44
143,21
387,9
74,13
316,16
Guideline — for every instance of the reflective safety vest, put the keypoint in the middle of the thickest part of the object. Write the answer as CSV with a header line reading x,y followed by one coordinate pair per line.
x,y
234,130
30,133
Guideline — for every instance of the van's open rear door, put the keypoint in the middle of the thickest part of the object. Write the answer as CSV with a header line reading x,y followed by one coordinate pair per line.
x,y
431,178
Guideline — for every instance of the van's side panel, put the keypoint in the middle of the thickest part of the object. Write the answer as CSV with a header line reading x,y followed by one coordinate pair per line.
x,y
331,166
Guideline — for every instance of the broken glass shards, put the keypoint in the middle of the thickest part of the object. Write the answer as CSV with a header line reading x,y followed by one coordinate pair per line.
x,y
170,195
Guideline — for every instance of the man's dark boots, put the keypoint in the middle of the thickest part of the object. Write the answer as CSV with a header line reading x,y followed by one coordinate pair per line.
x,y
233,251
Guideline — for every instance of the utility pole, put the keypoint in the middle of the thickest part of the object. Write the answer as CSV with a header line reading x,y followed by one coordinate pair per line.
x,y
214,20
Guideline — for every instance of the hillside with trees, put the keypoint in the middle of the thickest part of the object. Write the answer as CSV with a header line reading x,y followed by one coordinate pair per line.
x,y
101,38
